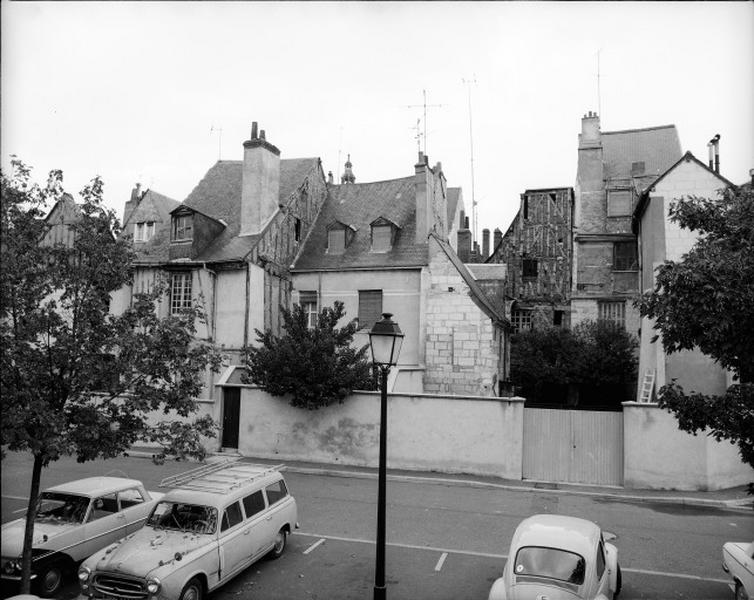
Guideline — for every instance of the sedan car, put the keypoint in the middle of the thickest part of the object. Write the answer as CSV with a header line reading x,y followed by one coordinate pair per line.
x,y
72,521
558,558
738,562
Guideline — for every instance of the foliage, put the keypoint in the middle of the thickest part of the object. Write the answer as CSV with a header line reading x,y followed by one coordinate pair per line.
x,y
706,301
76,379
592,354
316,366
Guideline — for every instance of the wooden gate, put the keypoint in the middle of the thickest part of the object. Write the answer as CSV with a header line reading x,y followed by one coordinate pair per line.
x,y
574,446
231,416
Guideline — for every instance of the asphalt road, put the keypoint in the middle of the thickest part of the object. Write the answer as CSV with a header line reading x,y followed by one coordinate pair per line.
x,y
444,541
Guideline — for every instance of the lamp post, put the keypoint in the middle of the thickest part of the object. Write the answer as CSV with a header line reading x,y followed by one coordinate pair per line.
x,y
385,340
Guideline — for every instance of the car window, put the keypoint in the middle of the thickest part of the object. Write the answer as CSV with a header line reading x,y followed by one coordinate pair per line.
x,y
551,563
231,516
276,491
600,560
130,497
253,504
103,507
183,517
61,508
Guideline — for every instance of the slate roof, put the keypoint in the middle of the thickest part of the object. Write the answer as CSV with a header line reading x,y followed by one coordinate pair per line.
x,y
153,206
218,195
358,205
657,147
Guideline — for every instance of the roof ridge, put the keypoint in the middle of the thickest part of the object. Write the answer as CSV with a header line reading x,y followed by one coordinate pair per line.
x,y
672,125
364,183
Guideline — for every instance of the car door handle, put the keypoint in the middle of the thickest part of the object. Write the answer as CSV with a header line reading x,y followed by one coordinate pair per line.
x,y
121,516
269,518
247,532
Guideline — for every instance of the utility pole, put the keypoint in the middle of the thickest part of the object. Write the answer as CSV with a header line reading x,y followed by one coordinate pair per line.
x,y
468,84
425,106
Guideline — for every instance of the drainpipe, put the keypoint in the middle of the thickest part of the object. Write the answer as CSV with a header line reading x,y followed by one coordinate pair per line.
x,y
248,302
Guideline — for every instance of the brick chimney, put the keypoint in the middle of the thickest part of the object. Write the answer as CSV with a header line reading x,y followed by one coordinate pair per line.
x,y
464,241
497,237
485,244
423,208
260,185
130,205
590,184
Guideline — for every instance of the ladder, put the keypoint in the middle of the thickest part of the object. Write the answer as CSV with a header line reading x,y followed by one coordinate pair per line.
x,y
647,386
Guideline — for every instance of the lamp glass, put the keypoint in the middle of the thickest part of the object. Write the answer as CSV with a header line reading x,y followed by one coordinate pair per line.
x,y
385,341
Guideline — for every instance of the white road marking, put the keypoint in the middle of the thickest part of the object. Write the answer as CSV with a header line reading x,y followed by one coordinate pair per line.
x,y
314,545
440,562
20,510
503,556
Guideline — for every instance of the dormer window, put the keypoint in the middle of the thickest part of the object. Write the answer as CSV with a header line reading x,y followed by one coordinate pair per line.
x,y
183,227
383,234
143,231
339,236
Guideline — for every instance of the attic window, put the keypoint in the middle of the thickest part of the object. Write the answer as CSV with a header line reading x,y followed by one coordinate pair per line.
x,y
143,231
637,168
183,227
338,238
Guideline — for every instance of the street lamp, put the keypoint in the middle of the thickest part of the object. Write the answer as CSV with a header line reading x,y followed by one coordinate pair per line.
x,y
385,340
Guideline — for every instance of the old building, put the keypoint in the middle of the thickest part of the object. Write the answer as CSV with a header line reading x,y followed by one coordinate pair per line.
x,y
147,214
384,247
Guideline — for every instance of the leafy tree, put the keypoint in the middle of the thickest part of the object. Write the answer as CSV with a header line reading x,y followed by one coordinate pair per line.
x,y
316,366
706,301
75,379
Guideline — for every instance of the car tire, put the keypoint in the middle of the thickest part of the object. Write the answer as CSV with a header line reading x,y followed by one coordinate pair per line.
x,y
618,582
741,592
281,541
193,590
50,579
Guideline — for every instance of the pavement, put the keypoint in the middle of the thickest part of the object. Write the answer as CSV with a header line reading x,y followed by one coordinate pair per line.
x,y
736,498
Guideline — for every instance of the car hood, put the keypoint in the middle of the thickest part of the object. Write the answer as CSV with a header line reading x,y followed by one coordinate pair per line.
x,y
146,550
44,532
536,591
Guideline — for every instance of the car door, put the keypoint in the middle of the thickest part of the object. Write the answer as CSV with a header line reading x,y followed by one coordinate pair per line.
x,y
105,523
235,537
134,508
259,522
602,574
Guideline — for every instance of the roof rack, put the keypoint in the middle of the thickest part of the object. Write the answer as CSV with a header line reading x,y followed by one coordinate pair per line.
x,y
192,480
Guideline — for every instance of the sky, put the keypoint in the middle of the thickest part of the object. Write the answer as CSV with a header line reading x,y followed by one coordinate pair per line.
x,y
156,92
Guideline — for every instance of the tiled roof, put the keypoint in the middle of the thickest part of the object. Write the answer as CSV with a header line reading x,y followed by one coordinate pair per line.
x,y
657,147
218,195
358,205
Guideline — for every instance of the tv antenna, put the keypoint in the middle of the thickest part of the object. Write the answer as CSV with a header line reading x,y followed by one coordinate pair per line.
x,y
468,84
418,136
213,129
425,106
599,94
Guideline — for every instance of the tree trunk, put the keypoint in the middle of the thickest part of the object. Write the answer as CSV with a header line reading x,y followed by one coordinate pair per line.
x,y
31,511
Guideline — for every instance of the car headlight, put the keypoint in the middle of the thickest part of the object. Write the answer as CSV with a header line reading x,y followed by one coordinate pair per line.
x,y
84,573
153,586
12,566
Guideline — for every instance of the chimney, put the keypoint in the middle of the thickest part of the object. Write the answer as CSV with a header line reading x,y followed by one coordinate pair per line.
x,y
423,202
348,176
591,135
329,178
485,244
464,245
715,141
497,237
260,182
462,222
130,205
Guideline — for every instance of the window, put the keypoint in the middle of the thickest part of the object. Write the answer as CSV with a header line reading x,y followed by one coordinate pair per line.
x,y
624,256
526,207
557,318
104,506
551,563
336,241
297,229
143,231
139,232
600,560
381,238
180,292
276,492
183,227
232,516
253,504
308,301
130,498
530,268
612,312
370,307
521,320
618,203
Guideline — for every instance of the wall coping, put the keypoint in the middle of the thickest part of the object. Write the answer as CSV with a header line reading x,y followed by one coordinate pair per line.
x,y
641,404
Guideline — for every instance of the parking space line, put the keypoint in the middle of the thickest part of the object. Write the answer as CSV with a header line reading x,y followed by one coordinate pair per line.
x,y
503,556
440,562
314,545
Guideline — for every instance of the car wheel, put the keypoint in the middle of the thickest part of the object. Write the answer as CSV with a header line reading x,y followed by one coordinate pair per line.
x,y
281,540
618,582
50,580
193,590
741,592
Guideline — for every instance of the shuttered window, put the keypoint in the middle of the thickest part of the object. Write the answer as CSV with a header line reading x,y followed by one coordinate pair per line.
x,y
624,256
336,241
370,307
381,238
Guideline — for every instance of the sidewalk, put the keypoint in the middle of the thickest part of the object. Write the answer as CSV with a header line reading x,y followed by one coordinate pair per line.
x,y
729,499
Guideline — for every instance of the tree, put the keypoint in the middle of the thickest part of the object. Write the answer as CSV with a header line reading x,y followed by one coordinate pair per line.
x,y
706,301
316,366
75,379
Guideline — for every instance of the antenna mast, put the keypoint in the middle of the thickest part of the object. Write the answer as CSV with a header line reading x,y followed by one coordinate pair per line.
x,y
425,106
599,94
471,144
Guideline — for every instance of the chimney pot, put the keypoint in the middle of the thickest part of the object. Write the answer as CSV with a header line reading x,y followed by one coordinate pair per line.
x,y
261,135
329,177
253,130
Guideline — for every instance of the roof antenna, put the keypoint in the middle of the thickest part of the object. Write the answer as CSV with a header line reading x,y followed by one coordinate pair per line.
x,y
599,94
425,106
471,144
340,145
219,131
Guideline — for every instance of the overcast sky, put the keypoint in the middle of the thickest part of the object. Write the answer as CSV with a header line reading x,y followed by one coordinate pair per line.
x,y
139,91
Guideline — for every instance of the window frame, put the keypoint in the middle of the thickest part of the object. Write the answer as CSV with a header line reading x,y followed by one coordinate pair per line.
x,y
309,302
619,207
366,312
283,492
226,517
183,300
606,314
261,496
625,261
526,268
182,228
522,324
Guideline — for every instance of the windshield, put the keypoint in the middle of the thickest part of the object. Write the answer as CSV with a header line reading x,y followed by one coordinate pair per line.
x,y
551,563
184,517
61,508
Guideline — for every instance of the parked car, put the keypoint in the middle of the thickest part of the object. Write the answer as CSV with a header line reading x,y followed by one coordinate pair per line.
x,y
217,521
559,557
72,521
738,562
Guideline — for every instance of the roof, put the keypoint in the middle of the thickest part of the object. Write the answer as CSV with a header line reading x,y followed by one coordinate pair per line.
x,y
488,270
558,531
644,198
358,205
152,206
453,196
218,195
93,486
657,147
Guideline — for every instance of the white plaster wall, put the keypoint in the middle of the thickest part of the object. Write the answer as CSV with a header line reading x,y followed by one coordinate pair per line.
x,y
445,434
231,304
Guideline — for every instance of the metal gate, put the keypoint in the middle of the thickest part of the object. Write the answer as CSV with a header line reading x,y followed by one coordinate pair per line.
x,y
574,446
